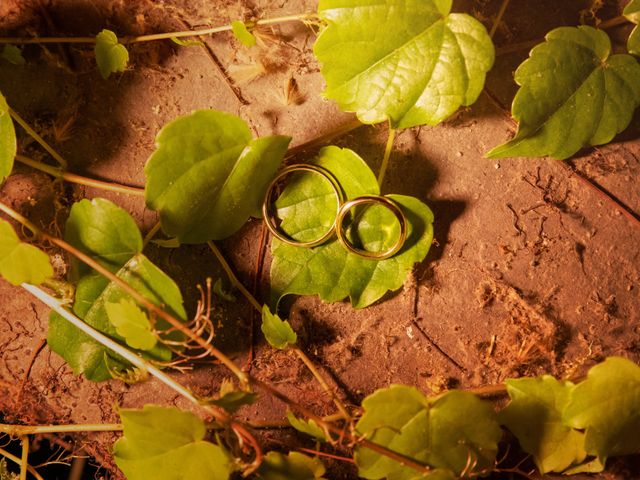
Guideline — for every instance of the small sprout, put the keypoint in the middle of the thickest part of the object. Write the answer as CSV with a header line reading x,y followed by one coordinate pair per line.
x,y
111,55
242,33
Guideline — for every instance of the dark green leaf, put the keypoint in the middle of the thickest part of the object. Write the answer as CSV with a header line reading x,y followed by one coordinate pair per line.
x,y
446,433
307,209
13,55
308,427
111,55
411,62
207,176
104,231
607,406
19,261
232,399
241,32
534,416
8,142
168,444
294,466
632,12
278,332
573,94
87,356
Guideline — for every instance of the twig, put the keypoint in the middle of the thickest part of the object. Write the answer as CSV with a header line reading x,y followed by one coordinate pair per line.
x,y
387,155
17,461
157,36
20,121
503,8
23,430
24,459
80,180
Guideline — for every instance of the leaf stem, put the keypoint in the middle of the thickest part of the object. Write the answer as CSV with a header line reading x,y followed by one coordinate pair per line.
x,y
22,430
80,180
24,460
156,36
27,128
150,234
496,24
318,376
232,277
17,461
387,155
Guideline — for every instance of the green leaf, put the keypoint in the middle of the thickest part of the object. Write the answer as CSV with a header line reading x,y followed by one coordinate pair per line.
x,y
308,427
534,416
573,94
231,399
632,12
104,231
131,323
223,293
307,208
19,261
411,62
444,433
294,466
187,43
241,32
168,444
8,142
607,406
278,332
111,55
93,293
13,55
207,177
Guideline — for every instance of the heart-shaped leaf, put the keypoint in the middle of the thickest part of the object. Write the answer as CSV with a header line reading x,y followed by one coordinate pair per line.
x,y
407,61
168,444
307,208
573,94
444,433
19,261
207,176
8,142
111,55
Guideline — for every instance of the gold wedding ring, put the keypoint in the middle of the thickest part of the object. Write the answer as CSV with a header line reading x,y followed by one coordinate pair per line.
x,y
344,210
270,220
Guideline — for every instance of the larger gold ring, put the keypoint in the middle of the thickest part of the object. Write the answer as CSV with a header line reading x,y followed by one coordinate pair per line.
x,y
371,199
270,220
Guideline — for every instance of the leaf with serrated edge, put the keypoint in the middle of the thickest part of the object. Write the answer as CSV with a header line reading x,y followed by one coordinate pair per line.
x,y
307,209
242,33
293,466
131,323
443,433
19,261
573,94
104,231
632,12
8,142
168,444
534,416
207,176
308,427
419,69
278,332
607,406
111,55
87,356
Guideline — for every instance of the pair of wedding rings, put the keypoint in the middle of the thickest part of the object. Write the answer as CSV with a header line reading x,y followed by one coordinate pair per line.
x,y
343,209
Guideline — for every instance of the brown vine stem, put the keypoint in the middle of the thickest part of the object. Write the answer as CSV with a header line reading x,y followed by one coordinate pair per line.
x,y
527,45
256,305
80,180
496,24
27,128
17,461
24,460
302,17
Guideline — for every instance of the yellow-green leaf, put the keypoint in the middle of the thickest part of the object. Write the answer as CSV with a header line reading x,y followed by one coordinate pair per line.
x,y
242,33
632,12
21,262
111,55
8,142
278,332
131,323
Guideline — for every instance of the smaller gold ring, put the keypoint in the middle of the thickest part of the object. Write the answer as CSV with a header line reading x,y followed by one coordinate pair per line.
x,y
269,219
372,199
